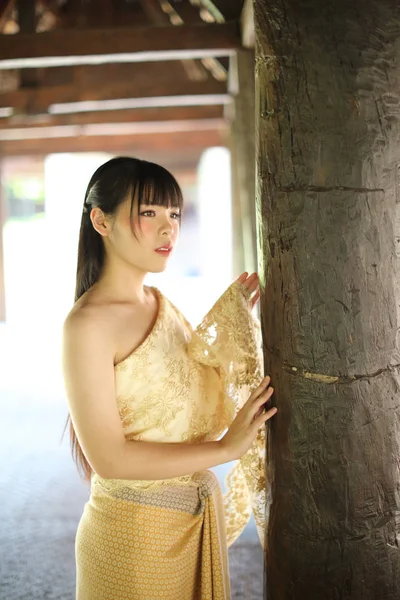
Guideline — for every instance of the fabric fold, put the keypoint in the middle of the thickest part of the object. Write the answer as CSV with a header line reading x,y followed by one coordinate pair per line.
x,y
229,339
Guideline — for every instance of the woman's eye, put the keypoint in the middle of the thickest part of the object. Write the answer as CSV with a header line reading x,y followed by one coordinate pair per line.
x,y
151,213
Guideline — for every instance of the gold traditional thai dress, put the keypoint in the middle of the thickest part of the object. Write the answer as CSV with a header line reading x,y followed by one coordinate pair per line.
x,y
168,539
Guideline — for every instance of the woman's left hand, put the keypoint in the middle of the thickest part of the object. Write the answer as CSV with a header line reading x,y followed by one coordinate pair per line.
x,y
252,284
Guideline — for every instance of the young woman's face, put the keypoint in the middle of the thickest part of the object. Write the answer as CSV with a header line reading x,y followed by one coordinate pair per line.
x,y
159,228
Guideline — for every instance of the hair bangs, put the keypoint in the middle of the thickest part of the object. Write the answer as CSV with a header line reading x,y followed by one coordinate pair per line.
x,y
158,187
153,185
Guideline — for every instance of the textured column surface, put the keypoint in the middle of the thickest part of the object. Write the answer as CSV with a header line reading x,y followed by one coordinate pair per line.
x,y
327,184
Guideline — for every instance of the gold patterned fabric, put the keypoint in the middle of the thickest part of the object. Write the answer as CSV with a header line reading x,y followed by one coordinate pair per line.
x,y
168,539
167,543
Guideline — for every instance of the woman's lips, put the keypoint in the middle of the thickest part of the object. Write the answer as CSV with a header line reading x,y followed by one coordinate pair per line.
x,y
166,252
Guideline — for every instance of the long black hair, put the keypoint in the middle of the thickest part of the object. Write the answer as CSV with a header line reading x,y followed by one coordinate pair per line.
x,y
110,185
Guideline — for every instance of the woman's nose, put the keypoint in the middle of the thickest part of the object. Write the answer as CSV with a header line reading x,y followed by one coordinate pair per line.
x,y
166,225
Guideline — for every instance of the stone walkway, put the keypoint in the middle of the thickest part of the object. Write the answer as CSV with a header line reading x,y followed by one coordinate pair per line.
x,y
42,497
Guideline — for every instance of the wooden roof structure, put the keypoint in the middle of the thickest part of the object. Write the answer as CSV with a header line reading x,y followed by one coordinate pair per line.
x,y
143,77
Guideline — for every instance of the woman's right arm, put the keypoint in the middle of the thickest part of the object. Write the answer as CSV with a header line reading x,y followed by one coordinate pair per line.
x,y
88,367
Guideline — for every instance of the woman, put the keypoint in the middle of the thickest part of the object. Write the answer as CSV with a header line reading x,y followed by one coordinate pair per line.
x,y
149,400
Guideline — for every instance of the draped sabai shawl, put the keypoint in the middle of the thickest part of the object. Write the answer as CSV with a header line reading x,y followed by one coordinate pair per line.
x,y
186,385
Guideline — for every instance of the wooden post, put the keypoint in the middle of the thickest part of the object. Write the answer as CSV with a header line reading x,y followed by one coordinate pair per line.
x,y
327,160
238,254
241,84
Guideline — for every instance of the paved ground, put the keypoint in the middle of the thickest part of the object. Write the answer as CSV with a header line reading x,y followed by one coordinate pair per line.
x,y
42,497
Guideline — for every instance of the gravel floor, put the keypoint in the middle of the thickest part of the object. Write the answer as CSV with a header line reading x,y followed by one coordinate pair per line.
x,y
42,497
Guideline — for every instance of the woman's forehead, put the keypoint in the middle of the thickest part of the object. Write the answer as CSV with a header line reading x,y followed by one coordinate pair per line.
x,y
161,206
132,207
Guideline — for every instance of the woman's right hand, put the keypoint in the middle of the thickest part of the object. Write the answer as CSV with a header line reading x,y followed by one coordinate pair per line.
x,y
248,421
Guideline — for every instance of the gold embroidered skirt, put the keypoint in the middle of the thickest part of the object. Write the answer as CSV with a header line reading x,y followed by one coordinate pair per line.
x,y
164,543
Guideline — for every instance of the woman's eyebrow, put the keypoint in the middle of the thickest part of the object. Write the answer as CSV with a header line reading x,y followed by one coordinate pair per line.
x,y
175,207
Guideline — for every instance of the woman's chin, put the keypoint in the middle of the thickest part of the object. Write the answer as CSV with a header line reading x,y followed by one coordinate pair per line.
x,y
159,268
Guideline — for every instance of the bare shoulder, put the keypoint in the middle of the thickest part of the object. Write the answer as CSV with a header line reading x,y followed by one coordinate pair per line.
x,y
116,328
88,323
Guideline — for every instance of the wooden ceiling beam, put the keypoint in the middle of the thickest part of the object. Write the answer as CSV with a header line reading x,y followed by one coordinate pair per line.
x,y
122,44
181,144
169,113
113,129
38,100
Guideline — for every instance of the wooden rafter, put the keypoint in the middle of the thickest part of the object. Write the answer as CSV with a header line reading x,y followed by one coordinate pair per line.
x,y
219,10
157,16
97,46
178,15
39,99
104,129
169,113
211,8
180,145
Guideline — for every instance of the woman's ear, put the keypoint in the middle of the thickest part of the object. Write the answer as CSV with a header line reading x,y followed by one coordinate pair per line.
x,y
100,222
